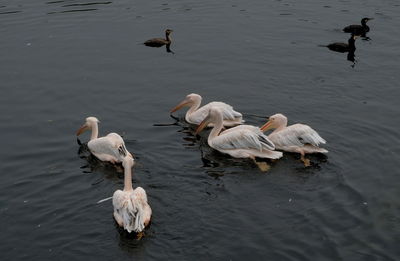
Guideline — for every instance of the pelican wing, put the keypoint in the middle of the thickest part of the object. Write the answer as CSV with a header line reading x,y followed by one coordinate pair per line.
x,y
228,113
296,135
112,145
131,206
242,137
139,199
118,200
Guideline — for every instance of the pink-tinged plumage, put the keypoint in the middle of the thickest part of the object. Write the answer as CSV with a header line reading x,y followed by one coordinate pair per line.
x,y
244,141
131,209
298,138
196,114
108,148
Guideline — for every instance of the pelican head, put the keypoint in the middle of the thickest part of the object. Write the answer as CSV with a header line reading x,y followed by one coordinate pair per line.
x,y
128,162
90,122
214,115
188,101
275,121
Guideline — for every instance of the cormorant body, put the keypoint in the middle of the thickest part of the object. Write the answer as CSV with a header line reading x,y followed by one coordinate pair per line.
x,y
344,47
158,42
358,29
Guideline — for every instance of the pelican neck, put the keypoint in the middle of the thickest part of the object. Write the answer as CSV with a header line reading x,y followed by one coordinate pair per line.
x,y
281,127
218,125
95,131
128,179
195,106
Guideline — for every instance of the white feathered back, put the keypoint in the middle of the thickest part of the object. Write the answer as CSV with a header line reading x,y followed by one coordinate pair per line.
x,y
296,135
243,137
130,206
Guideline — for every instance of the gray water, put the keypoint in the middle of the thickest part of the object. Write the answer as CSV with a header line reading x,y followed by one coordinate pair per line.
x,y
62,61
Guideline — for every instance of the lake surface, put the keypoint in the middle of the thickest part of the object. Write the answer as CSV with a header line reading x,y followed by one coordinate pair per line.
x,y
62,61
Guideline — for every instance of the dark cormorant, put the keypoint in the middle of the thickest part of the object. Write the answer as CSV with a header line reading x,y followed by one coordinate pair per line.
x,y
358,29
158,42
343,47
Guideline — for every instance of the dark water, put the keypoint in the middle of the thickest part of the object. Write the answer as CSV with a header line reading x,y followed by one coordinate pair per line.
x,y
62,61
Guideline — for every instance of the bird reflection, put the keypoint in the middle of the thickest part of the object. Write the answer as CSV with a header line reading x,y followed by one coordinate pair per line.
x,y
129,242
168,49
188,130
351,57
189,139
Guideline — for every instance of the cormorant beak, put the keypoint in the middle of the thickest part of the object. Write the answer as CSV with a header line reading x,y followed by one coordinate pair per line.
x,y
180,105
266,126
83,128
202,125
370,19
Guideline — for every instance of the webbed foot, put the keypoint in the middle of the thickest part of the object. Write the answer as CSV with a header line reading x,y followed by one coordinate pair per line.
x,y
307,162
263,166
140,235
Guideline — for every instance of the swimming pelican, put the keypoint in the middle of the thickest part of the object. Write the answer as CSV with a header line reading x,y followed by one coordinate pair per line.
x,y
108,148
196,115
131,210
298,138
244,141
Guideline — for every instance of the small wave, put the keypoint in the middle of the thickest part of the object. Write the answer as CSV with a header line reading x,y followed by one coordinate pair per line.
x,y
54,2
86,4
74,10
10,12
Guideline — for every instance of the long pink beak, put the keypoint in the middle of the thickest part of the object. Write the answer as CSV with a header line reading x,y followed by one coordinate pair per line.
x,y
266,126
83,128
202,125
179,106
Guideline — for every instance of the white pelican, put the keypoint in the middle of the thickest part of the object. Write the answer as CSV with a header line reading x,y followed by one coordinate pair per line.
x,y
195,115
108,148
244,141
131,210
298,138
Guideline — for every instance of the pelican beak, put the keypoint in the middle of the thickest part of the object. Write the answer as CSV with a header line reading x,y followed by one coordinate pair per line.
x,y
83,128
180,105
202,125
266,126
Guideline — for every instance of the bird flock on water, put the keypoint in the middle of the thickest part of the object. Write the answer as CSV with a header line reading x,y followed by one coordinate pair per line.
x,y
229,135
356,31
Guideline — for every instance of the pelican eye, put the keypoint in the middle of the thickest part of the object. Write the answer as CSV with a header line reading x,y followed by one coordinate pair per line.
x,y
122,151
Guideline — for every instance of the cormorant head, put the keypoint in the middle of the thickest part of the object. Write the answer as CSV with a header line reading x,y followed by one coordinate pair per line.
x,y
365,20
